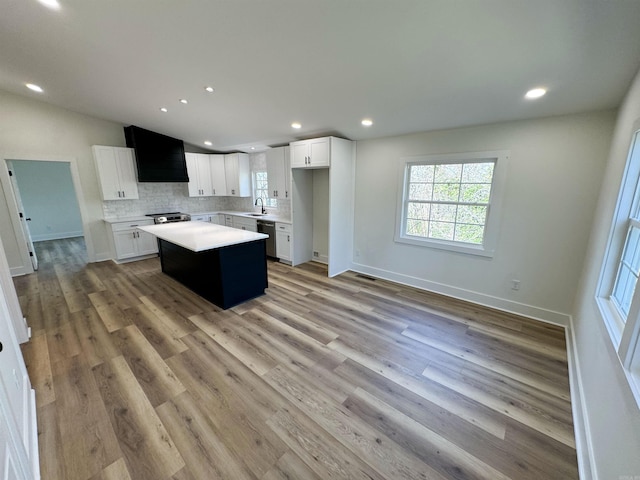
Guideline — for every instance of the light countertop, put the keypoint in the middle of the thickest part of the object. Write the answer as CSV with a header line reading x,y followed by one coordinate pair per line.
x,y
139,218
201,236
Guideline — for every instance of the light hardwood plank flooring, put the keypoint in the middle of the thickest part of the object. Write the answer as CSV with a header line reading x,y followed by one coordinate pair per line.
x,y
138,378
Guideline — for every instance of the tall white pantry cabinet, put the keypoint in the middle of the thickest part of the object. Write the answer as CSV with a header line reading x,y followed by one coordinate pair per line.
x,y
334,161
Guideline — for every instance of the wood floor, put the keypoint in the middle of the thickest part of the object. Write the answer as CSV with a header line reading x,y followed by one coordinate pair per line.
x,y
138,378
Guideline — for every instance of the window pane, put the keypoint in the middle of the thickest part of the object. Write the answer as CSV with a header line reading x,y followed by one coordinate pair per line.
x,y
475,192
446,192
631,254
418,211
417,227
624,288
421,173
448,173
469,233
477,172
420,191
472,214
446,213
441,230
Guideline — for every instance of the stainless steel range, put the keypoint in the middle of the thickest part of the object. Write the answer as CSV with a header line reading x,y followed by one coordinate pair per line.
x,y
169,217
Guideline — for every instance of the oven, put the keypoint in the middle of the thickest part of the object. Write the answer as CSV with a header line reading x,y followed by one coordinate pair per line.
x,y
169,217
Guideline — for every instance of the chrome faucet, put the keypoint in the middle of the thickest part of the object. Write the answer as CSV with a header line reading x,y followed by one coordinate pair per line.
x,y
261,203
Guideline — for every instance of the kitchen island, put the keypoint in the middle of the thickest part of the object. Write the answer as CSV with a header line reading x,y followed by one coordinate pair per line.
x,y
224,265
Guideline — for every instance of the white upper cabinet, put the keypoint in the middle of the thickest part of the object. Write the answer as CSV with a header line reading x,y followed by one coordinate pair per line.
x,y
218,177
314,153
278,172
200,180
238,175
116,172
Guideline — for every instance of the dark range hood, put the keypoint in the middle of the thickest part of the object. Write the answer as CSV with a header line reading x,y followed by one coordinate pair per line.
x,y
159,158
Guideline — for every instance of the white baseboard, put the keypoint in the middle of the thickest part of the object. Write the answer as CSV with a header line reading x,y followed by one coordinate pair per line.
x,y
56,236
17,271
581,429
103,257
530,311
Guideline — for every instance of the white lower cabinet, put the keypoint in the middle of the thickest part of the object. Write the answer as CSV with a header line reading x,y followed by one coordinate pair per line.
x,y
245,224
129,242
283,242
217,218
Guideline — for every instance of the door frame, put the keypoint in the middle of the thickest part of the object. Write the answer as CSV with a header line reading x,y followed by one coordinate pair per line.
x,y
13,206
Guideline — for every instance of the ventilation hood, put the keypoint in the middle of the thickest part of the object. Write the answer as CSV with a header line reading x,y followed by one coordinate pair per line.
x,y
159,158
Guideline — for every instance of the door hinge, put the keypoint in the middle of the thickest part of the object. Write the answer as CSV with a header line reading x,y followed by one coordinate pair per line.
x,y
31,254
20,213
10,173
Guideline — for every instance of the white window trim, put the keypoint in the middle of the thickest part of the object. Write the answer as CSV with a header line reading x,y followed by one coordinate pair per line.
x,y
269,208
492,226
625,336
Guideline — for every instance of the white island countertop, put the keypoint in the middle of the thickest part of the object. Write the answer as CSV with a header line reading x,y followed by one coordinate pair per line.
x,y
201,236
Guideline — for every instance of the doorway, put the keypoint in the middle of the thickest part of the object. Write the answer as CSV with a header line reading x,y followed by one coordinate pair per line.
x,y
47,192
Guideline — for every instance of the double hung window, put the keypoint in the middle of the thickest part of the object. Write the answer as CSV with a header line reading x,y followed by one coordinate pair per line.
x,y
451,201
618,296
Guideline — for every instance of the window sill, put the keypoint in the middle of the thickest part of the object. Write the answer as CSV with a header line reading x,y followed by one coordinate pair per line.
x,y
611,319
458,247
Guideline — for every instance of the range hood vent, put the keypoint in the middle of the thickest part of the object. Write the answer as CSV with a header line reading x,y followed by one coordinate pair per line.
x,y
159,158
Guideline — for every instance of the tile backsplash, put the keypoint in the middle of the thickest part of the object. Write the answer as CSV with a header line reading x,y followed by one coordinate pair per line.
x,y
174,197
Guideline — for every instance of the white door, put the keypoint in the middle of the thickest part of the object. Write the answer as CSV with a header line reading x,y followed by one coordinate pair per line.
x,y
23,217
18,435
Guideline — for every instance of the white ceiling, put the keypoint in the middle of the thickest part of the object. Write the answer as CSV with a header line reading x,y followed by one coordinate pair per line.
x,y
410,65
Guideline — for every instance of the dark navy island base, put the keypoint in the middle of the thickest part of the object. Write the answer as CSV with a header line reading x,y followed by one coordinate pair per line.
x,y
226,276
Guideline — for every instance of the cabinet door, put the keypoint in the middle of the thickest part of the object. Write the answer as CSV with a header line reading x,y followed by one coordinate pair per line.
x,y
218,178
204,175
275,172
287,173
192,171
105,158
231,174
127,173
299,154
125,243
319,152
147,244
283,245
238,174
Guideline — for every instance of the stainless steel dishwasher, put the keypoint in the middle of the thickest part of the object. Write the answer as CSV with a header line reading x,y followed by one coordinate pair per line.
x,y
265,226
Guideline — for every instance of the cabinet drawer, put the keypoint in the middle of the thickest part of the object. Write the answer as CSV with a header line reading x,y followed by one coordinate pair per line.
x,y
120,226
283,227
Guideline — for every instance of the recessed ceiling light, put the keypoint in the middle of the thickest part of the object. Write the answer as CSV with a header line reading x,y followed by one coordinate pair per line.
x,y
296,125
52,4
253,148
208,143
34,87
536,93
209,89
184,100
164,110
367,122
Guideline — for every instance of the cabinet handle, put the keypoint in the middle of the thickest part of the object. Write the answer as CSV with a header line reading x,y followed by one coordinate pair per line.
x,y
123,194
119,194
214,191
286,194
288,238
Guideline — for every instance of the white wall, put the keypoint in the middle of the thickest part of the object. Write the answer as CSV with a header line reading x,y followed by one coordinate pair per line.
x,y
48,198
553,179
33,129
611,414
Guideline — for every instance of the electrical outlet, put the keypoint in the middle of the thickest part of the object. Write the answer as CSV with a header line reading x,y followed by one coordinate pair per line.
x,y
357,253
515,284
316,254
